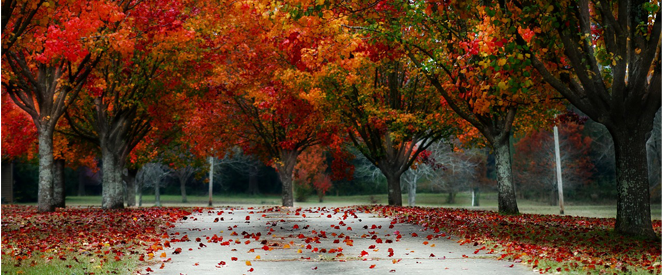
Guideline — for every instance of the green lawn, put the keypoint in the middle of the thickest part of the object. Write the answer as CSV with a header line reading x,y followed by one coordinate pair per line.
x,y
463,200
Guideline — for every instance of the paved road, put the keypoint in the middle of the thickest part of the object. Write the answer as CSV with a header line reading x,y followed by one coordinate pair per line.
x,y
316,241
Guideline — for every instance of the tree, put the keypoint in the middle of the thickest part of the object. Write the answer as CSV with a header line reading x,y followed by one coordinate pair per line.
x,y
536,162
480,74
387,109
152,175
454,169
18,132
17,16
128,88
44,73
250,100
311,172
421,169
604,58
654,153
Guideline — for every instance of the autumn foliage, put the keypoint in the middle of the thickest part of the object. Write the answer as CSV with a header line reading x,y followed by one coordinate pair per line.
x,y
574,243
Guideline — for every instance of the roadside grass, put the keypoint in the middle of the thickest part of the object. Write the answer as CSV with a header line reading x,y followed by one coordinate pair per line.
x,y
79,240
68,263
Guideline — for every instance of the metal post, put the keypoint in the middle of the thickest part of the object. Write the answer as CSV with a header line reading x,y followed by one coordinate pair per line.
x,y
211,179
559,179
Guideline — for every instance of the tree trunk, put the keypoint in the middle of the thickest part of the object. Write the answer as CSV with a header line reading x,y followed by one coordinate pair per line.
x,y
633,215
412,193
45,192
320,196
182,186
157,192
285,167
506,189
131,186
112,188
474,196
81,181
58,183
451,197
253,188
394,191
140,194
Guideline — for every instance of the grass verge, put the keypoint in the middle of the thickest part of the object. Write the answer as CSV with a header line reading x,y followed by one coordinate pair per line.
x,y
79,240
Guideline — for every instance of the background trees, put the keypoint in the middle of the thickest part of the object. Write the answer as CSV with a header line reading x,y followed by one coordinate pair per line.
x,y
388,110
535,160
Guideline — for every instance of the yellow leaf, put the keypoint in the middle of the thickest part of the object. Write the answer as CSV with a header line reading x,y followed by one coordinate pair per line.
x,y
299,251
501,62
286,246
550,8
257,257
248,263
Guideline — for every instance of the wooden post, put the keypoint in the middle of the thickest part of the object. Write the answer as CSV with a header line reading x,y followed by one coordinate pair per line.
x,y
211,179
559,179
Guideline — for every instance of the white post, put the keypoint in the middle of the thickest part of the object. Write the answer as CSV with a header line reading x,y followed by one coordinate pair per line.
x,y
211,178
559,179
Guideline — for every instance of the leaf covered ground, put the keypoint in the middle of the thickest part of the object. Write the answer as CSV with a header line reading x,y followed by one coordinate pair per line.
x,y
96,241
549,243
81,240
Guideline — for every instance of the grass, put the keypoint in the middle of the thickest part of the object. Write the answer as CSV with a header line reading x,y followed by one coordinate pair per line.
x,y
488,201
45,263
80,240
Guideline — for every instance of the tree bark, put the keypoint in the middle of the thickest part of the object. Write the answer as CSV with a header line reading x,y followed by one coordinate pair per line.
x,y
451,197
394,191
157,192
253,188
112,187
285,167
633,216
140,194
182,186
131,186
412,193
58,183
475,196
505,186
45,192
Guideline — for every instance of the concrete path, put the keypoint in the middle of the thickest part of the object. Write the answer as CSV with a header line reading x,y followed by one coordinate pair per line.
x,y
316,241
